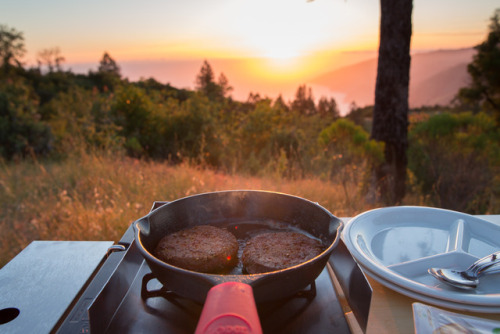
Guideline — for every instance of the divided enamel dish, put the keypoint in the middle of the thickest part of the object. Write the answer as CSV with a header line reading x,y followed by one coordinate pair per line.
x,y
397,245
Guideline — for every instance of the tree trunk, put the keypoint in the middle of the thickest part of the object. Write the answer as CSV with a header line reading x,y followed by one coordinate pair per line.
x,y
390,113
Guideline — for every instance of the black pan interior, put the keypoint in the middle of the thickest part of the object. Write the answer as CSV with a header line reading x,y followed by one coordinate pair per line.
x,y
253,209
230,208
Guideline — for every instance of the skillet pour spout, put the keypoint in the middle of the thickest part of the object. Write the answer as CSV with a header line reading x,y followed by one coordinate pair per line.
x,y
236,207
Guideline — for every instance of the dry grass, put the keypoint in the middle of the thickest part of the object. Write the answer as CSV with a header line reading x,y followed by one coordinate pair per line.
x,y
96,196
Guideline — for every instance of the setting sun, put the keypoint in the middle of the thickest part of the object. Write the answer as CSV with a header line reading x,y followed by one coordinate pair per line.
x,y
281,54
290,28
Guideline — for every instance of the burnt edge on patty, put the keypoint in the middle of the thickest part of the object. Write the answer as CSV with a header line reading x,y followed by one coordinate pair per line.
x,y
203,248
273,251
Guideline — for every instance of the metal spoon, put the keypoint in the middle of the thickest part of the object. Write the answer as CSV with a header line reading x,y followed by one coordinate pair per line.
x,y
469,278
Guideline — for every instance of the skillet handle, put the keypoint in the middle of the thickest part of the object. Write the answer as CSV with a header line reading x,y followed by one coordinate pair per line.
x,y
142,225
229,308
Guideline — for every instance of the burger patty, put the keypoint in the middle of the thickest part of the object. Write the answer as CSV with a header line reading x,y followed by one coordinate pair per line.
x,y
278,250
202,248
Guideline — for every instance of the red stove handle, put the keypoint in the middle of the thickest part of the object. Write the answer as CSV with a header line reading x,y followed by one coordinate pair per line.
x,y
229,308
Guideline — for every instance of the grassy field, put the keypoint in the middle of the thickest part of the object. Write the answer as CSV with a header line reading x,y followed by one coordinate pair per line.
x,y
97,196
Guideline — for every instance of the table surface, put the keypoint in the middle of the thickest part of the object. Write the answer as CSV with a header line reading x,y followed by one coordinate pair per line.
x,y
391,312
43,279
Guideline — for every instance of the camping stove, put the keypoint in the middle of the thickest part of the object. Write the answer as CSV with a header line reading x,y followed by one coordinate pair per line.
x,y
122,296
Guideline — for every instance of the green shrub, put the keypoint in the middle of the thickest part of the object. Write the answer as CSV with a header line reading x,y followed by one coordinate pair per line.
x,y
80,119
21,131
454,158
349,152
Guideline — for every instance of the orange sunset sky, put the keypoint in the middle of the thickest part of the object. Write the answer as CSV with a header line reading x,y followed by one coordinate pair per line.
x,y
266,46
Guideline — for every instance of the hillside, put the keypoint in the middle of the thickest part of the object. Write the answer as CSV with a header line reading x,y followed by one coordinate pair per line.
x,y
435,78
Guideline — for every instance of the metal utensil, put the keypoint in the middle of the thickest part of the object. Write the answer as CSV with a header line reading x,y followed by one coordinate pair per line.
x,y
469,278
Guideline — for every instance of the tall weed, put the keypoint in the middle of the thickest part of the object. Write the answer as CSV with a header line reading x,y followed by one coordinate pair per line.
x,y
96,196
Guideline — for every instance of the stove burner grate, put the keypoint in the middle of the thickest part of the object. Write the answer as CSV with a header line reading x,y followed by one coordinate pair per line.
x,y
161,292
308,293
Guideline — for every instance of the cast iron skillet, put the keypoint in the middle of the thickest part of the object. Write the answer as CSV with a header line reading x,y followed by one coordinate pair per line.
x,y
234,207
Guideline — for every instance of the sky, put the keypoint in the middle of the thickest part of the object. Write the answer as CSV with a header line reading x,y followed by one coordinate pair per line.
x,y
271,41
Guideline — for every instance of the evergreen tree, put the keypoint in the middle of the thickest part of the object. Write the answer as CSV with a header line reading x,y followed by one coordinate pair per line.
x,y
328,107
484,70
224,86
304,101
11,48
108,65
205,82
108,76
280,103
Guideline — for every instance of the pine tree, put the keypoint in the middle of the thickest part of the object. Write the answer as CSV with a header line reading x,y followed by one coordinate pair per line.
x,y
484,70
11,48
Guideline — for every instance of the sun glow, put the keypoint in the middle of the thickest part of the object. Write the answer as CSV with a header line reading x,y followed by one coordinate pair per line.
x,y
279,69
278,29
282,66
281,54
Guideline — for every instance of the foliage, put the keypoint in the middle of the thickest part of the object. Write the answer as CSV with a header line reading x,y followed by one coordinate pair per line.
x,y
21,131
328,107
11,48
484,90
48,86
280,103
108,65
362,117
350,142
108,75
304,101
349,149
455,158
205,83
160,92
191,131
51,58
131,110
80,119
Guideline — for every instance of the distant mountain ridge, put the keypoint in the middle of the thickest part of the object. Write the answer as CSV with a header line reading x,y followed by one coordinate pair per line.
x,y
435,78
